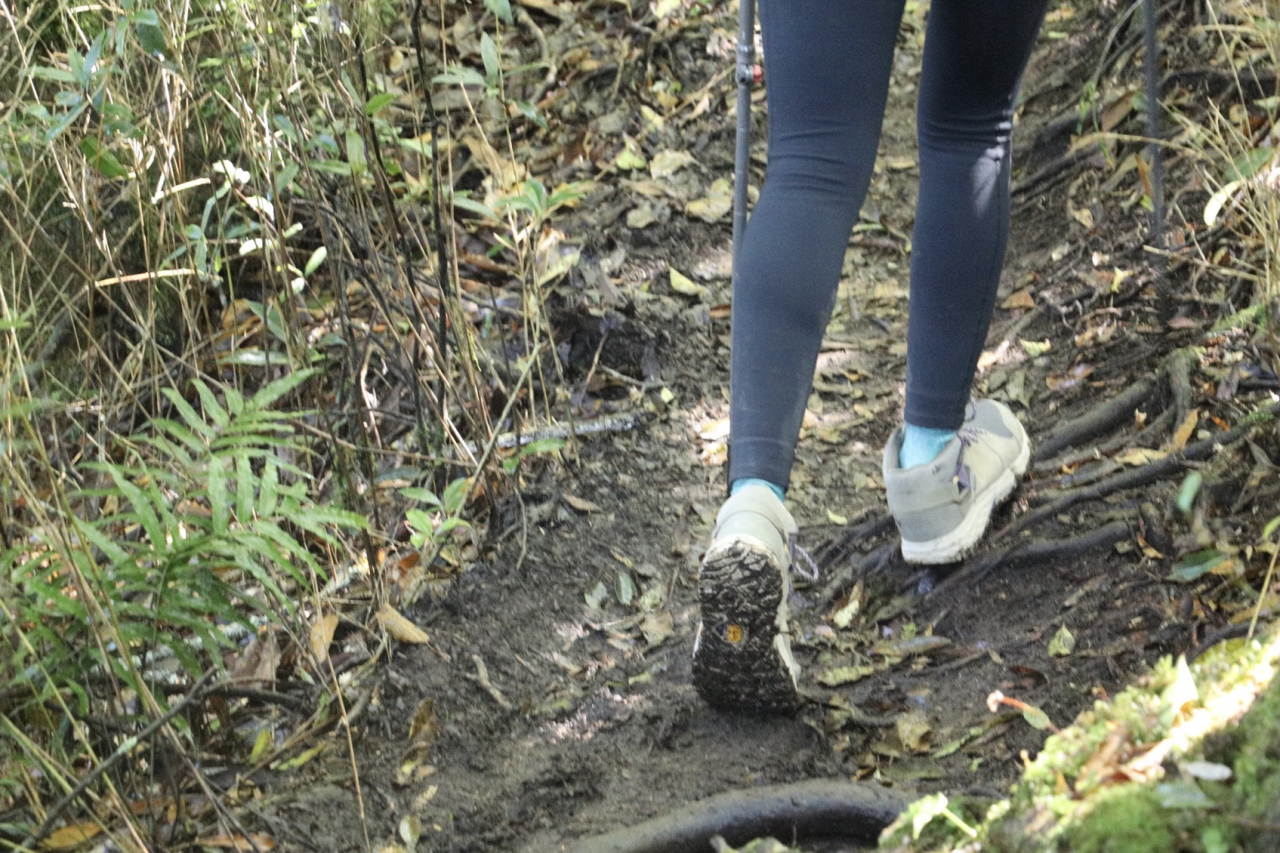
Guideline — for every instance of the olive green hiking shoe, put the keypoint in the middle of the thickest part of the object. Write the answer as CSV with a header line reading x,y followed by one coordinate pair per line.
x,y
943,507
742,652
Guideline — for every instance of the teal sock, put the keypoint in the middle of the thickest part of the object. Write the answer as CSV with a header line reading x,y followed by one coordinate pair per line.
x,y
755,481
921,445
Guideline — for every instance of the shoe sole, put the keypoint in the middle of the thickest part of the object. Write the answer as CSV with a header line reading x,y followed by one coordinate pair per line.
x,y
953,546
741,653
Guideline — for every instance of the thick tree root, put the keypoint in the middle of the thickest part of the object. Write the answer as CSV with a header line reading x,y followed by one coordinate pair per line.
x,y
1034,552
1096,421
1133,477
816,808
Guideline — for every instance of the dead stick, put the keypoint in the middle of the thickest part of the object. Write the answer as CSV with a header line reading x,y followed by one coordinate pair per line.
x,y
482,678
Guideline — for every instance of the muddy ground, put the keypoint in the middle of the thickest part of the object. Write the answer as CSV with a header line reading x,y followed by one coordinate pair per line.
x,y
583,614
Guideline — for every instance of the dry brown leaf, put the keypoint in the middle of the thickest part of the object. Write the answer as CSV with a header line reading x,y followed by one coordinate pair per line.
x,y
1136,456
913,731
1019,299
321,636
72,836
399,627
1184,431
1183,323
581,504
257,664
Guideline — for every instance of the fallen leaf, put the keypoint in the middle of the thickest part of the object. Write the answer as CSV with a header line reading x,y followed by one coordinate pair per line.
x,y
844,675
1019,299
629,157
257,664
837,519
1183,323
900,164
1083,215
715,430
1136,456
581,504
657,627
1077,374
321,636
666,163
909,647
1063,643
681,283
1184,431
641,217
715,204
424,726
71,836
913,730
1035,348
399,627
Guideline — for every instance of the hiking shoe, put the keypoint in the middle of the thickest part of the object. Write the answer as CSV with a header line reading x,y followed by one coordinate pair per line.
x,y
742,652
943,507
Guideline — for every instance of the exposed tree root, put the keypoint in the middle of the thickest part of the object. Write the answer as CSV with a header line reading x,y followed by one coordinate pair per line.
x,y
1097,420
1035,551
1133,477
813,809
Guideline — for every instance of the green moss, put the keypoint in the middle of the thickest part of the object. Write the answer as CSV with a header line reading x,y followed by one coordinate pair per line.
x,y
1124,819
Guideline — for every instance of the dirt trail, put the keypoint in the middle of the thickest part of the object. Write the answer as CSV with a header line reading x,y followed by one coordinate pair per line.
x,y
589,721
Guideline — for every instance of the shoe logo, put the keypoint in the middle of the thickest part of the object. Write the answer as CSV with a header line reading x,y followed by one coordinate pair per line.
x,y
734,634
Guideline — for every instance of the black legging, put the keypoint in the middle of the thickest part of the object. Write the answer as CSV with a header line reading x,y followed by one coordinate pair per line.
x,y
827,65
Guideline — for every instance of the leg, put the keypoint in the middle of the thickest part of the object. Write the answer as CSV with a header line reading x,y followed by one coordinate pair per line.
x,y
975,53
828,65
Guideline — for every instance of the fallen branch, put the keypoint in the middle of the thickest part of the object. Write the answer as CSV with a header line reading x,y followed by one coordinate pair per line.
x,y
812,809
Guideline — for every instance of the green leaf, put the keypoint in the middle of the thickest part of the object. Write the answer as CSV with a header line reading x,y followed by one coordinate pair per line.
x,y
460,75
356,154
492,63
473,206
217,491
151,37
1196,565
1187,493
426,496
280,387
1037,718
212,408
378,102
102,159
501,9
924,810
1250,163
314,262
542,445
454,494
57,75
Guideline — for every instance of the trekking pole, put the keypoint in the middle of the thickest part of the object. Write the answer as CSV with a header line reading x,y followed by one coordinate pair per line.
x,y
745,74
1151,73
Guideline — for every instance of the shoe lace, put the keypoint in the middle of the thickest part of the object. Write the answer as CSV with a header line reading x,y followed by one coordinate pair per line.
x,y
805,567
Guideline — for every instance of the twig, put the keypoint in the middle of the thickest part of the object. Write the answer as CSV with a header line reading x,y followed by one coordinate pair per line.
x,y
197,692
482,678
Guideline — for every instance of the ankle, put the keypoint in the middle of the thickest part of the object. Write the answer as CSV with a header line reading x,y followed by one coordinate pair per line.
x,y
742,482
921,445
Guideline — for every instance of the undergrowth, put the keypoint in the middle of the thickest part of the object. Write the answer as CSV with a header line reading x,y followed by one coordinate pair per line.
x,y
234,352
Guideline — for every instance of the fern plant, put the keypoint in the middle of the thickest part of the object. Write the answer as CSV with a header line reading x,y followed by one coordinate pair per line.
x,y
207,520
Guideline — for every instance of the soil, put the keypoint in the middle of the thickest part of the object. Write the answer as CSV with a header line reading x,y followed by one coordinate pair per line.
x,y
592,722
